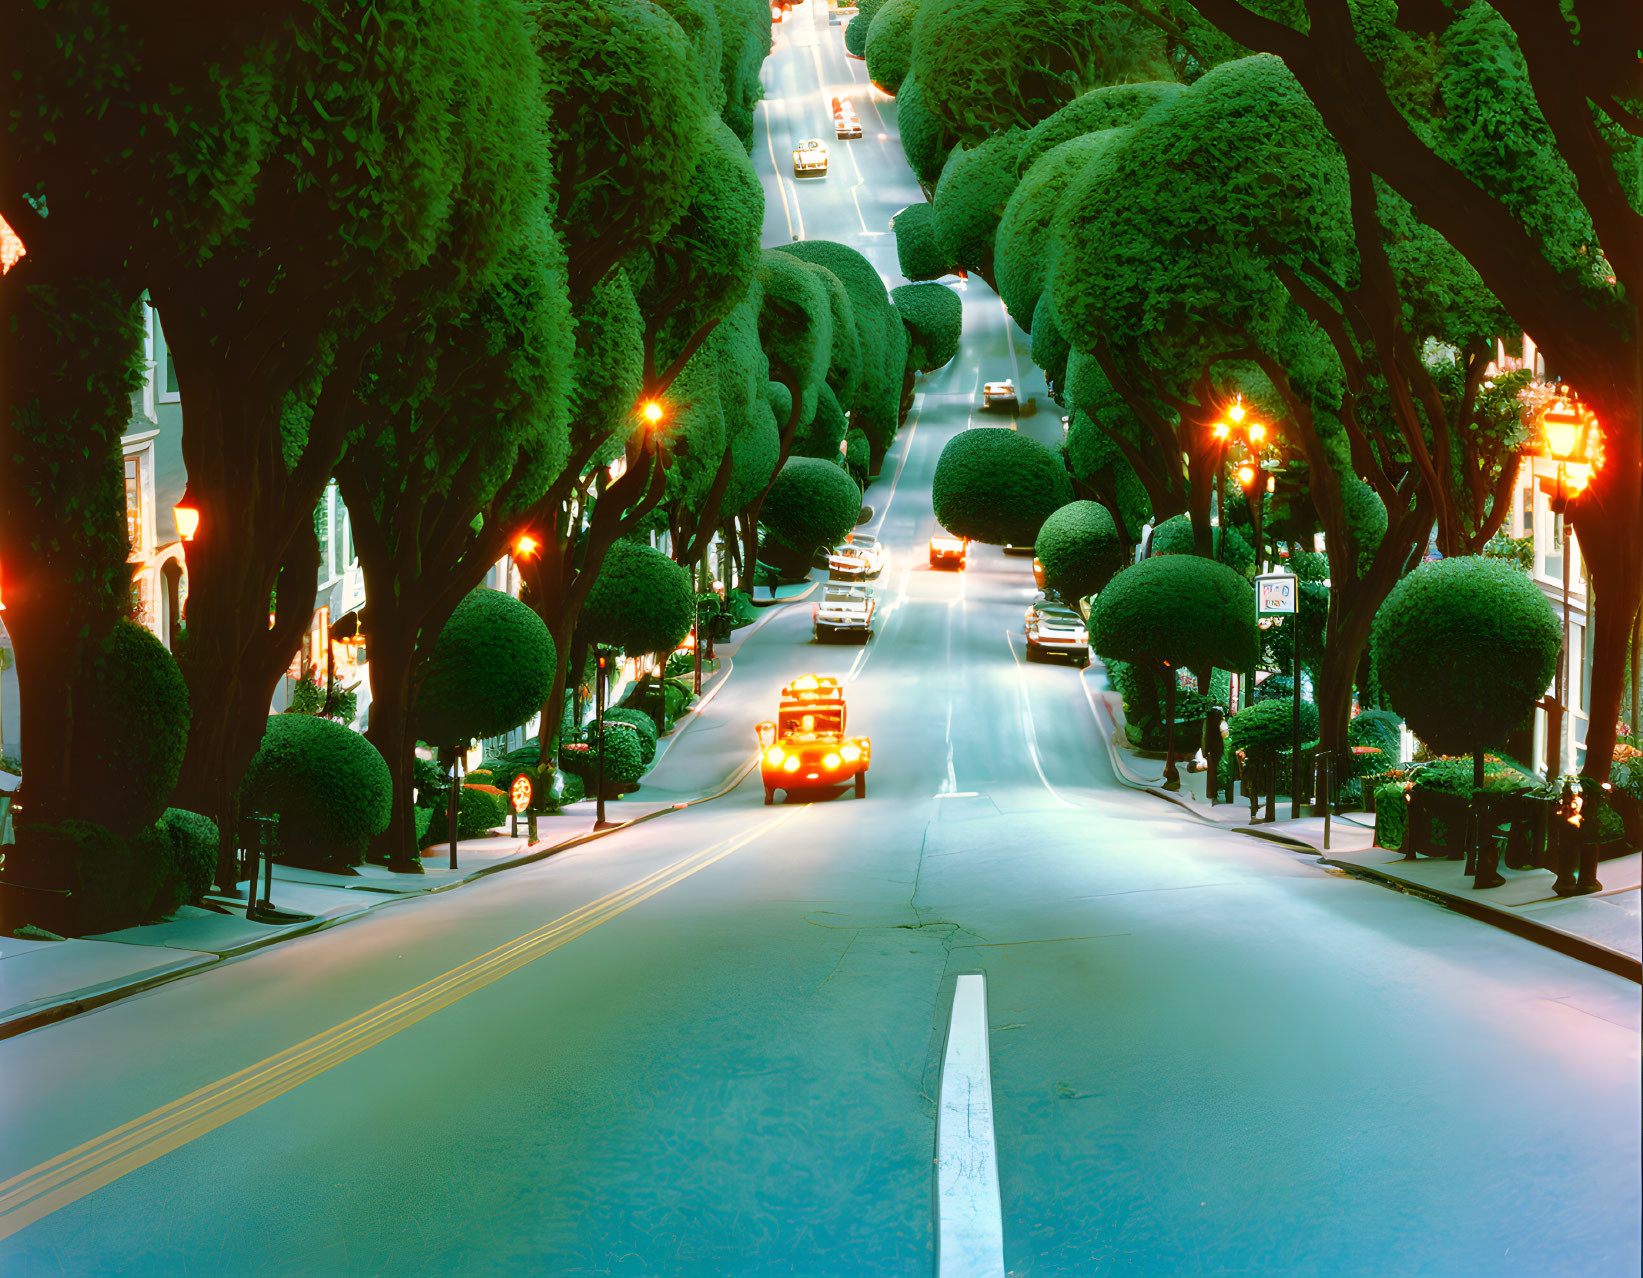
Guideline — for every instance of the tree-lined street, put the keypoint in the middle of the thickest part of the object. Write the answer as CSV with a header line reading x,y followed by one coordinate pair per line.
x,y
712,1043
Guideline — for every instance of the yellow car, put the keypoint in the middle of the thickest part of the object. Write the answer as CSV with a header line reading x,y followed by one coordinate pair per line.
x,y
947,552
810,158
806,747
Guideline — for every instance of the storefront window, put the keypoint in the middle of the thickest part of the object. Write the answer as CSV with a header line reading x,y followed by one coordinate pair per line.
x,y
134,503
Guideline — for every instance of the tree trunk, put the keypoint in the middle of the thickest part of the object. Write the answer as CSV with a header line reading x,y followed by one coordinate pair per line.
x,y
1608,519
392,645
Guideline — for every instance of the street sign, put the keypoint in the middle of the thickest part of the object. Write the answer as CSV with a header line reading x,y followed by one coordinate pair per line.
x,y
1275,594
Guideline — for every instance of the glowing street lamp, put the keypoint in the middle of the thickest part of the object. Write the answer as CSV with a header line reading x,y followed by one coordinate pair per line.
x,y
651,412
525,546
1567,428
187,515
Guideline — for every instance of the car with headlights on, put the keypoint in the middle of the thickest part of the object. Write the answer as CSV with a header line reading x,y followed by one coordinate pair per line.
x,y
866,558
947,551
806,746
1054,629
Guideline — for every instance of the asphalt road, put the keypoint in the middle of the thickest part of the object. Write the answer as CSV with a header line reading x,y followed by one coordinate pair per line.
x,y
1209,1055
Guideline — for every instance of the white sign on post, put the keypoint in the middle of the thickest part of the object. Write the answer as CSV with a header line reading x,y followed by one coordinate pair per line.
x,y
1275,594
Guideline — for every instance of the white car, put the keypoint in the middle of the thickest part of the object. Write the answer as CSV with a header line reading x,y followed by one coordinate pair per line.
x,y
810,158
998,394
846,610
860,556
1054,628
845,123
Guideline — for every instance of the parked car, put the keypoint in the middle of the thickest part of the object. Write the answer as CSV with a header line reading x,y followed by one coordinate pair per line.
x,y
1055,629
810,158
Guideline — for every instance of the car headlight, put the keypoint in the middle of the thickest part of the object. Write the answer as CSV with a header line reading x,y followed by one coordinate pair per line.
x,y
774,755
792,764
851,752
831,761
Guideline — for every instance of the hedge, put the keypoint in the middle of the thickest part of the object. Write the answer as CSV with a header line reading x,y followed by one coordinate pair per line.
x,y
1111,107
856,30
1143,698
889,44
1174,537
193,856
641,602
823,433
328,786
1268,727
491,669
481,809
925,137
1188,611
998,486
1463,649
113,881
140,733
646,726
624,759
1378,732
1079,548
812,504
917,253
975,185
934,317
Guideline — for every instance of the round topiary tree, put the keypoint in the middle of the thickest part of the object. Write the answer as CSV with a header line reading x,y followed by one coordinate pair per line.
x,y
1174,537
1268,727
889,45
1079,548
641,602
917,253
998,487
1464,647
812,504
328,786
491,669
137,750
934,317
1182,610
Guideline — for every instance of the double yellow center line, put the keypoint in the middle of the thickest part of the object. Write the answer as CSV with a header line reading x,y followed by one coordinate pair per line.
x,y
86,1168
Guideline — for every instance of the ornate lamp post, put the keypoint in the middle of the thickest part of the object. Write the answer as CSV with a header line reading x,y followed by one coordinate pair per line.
x,y
1250,435
1566,430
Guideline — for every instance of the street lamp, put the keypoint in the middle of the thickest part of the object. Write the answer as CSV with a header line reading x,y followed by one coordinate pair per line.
x,y
187,515
1566,429
1250,435
651,412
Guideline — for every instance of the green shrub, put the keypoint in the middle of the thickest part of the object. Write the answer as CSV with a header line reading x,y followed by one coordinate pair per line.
x,y
113,881
641,601
1391,816
423,818
680,665
1268,727
934,317
481,809
889,45
1079,548
1191,612
998,486
1463,649
857,29
430,781
328,786
645,725
193,856
1174,537
491,669
1378,732
1143,697
624,758
813,503
917,253
141,730
1454,776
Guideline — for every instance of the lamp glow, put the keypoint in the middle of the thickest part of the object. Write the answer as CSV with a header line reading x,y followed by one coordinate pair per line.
x,y
1236,412
1257,432
832,761
652,411
1221,430
792,764
1246,475
187,515
525,547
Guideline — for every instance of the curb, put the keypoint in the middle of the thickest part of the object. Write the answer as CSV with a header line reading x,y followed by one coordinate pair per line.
x,y
80,1001
1553,938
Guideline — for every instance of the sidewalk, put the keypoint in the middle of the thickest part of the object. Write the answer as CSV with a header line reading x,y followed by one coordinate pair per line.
x,y
46,980
1605,928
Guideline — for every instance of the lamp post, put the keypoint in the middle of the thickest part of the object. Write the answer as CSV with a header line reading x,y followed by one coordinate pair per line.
x,y
1565,428
1250,435
602,658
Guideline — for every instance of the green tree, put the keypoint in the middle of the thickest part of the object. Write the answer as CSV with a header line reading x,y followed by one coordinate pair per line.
x,y
917,253
975,185
1080,549
889,45
641,602
934,317
812,505
1511,130
1464,648
997,486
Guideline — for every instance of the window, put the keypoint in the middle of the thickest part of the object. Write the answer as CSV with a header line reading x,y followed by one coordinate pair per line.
x,y
1527,527
322,533
142,598
165,368
134,503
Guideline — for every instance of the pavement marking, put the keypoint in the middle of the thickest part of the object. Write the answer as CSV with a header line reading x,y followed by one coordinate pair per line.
x,y
906,452
1028,729
775,169
969,1218
90,1166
